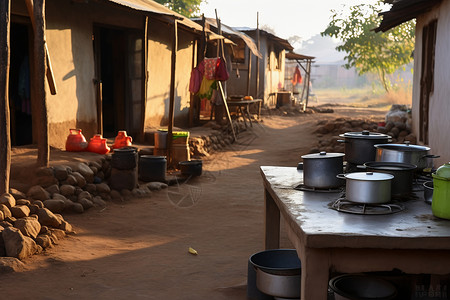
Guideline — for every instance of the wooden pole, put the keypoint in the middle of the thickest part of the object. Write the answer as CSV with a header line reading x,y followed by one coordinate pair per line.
x,y
172,92
5,138
49,69
257,57
39,82
249,75
144,78
228,111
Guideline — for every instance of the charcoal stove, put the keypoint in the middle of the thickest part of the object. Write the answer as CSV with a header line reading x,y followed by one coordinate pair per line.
x,y
343,205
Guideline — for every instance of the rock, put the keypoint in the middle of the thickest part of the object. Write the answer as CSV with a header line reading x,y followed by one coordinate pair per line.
x,y
55,205
34,209
78,190
91,188
98,201
61,172
86,203
77,207
115,195
47,218
5,210
10,264
102,188
85,194
101,175
395,131
28,226
20,211
66,227
39,203
67,190
71,180
95,164
8,200
58,233
10,219
17,245
81,181
97,180
44,241
17,194
58,197
84,170
23,202
2,216
94,169
411,138
156,186
38,193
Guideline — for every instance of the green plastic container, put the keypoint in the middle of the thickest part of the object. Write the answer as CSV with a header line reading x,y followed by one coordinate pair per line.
x,y
440,205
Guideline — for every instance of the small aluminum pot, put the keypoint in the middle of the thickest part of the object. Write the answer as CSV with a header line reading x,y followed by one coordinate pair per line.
x,y
320,170
428,191
403,175
405,153
359,146
368,187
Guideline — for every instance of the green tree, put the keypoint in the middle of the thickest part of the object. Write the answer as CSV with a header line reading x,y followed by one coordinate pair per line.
x,y
187,8
368,51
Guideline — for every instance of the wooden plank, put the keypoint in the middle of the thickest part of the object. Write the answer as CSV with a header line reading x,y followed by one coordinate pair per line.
x,y
39,82
172,92
5,137
98,80
49,69
144,78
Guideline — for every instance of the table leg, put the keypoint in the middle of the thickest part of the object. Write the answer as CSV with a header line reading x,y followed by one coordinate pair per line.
x,y
272,222
247,111
243,115
315,273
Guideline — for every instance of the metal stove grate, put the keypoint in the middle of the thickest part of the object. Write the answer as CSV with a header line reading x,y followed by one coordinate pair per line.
x,y
305,188
344,205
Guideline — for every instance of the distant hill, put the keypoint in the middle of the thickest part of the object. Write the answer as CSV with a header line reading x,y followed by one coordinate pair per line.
x,y
323,48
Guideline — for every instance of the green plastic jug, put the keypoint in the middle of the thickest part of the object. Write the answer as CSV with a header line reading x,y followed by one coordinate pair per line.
x,y
441,193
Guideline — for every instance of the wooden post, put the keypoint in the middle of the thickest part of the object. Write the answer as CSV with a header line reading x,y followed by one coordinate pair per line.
x,y
5,138
39,82
144,77
49,69
257,57
172,92
249,75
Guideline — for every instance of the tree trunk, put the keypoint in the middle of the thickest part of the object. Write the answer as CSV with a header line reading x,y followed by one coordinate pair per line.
x,y
39,80
5,138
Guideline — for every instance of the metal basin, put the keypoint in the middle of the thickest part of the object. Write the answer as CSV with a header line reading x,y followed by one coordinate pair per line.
x,y
361,287
278,272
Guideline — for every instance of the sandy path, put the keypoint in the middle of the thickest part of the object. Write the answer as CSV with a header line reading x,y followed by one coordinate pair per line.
x,y
138,249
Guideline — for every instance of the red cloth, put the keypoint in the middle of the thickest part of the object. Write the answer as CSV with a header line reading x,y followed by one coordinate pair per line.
x,y
221,71
297,78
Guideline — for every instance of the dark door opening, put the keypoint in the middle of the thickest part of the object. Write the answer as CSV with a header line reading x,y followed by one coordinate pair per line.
x,y
119,59
19,86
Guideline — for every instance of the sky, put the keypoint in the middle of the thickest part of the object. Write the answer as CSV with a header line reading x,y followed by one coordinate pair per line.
x,y
304,18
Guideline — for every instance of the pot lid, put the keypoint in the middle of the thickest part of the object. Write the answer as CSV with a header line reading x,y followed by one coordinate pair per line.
x,y
369,176
390,166
323,154
403,147
365,134
443,172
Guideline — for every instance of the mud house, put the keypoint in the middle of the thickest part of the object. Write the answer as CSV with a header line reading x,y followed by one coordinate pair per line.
x,y
106,78
430,105
266,73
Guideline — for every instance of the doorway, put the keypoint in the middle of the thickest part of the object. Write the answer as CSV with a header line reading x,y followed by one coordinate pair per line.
x,y
119,69
21,129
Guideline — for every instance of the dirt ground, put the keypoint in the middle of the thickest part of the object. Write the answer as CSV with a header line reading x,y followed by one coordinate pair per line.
x,y
138,248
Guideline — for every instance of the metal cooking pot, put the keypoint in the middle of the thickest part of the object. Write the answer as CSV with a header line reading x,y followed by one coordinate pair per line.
x,y
405,153
428,191
403,175
278,272
359,146
320,170
368,187
191,167
359,286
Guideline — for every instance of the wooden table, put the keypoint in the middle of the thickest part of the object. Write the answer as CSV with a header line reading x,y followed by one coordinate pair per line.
x,y
243,108
413,240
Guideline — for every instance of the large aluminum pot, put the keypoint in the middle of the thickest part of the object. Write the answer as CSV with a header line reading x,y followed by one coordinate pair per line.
x,y
320,170
405,153
278,272
403,175
359,146
359,286
368,187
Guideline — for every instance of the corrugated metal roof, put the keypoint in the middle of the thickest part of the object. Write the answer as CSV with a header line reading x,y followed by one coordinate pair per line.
x,y
403,11
156,8
284,43
230,31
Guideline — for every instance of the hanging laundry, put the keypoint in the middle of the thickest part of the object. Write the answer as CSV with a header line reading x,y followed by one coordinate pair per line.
x,y
221,71
196,78
297,78
206,88
210,67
